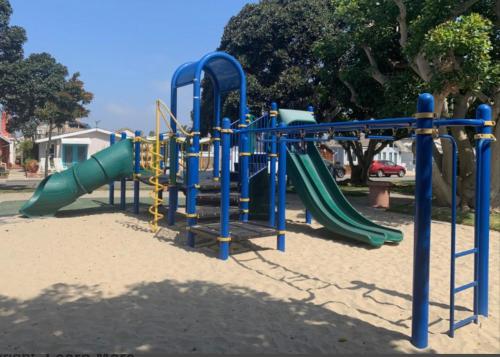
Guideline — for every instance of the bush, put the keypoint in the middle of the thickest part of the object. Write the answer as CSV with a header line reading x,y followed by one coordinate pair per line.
x,y
31,166
27,149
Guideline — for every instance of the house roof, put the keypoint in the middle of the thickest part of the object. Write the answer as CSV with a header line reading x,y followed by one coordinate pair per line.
x,y
74,133
4,138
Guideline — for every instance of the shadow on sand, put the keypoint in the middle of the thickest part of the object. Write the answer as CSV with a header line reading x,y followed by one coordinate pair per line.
x,y
168,316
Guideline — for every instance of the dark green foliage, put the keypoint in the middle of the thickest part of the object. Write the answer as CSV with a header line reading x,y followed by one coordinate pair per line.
x,y
12,38
273,40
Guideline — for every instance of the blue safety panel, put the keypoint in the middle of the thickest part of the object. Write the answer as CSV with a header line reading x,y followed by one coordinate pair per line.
x,y
223,69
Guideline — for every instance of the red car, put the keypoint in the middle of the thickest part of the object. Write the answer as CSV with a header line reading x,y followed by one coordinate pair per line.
x,y
381,168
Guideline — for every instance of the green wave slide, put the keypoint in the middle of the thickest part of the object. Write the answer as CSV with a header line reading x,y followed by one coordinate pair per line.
x,y
62,188
324,199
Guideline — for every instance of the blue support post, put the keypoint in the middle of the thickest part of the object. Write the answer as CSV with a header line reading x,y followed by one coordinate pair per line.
x,y
273,114
308,213
123,183
162,161
112,138
422,231
193,156
453,228
225,238
482,216
217,135
244,159
282,190
137,168
173,190
191,191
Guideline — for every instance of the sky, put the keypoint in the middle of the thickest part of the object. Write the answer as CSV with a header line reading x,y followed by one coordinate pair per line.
x,y
125,50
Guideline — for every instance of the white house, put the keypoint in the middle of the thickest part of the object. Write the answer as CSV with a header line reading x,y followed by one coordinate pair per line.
x,y
398,152
70,148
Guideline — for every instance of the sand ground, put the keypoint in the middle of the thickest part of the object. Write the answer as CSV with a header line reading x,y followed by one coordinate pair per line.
x,y
101,282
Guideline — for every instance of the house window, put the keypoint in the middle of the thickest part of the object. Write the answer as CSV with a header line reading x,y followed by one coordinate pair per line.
x,y
395,158
73,154
390,156
384,156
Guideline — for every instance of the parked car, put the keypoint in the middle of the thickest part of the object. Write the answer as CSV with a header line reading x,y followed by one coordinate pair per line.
x,y
336,169
381,168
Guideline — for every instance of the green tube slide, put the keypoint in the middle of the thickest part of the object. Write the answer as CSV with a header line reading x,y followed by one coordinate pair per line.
x,y
61,189
324,199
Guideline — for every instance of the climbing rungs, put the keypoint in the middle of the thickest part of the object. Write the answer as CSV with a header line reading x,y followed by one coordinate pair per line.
x,y
464,322
466,252
465,287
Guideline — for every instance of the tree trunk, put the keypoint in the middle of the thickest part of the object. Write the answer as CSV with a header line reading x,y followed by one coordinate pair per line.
x,y
360,172
467,168
441,165
47,149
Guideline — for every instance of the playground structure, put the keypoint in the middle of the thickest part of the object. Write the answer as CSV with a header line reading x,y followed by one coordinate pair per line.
x,y
277,144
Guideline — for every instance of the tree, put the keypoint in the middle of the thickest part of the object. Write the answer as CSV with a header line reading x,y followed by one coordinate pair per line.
x,y
28,85
273,40
37,89
447,47
12,38
284,49
64,106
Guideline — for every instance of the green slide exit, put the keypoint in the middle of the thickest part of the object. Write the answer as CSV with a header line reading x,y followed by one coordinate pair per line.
x,y
62,188
323,198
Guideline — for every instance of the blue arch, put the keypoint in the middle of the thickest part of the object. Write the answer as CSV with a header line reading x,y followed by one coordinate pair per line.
x,y
226,75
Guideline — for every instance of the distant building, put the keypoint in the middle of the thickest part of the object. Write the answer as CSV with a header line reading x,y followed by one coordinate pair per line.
x,y
71,148
399,152
7,142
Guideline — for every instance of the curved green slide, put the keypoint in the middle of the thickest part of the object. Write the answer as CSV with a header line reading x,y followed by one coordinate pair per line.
x,y
324,199
62,188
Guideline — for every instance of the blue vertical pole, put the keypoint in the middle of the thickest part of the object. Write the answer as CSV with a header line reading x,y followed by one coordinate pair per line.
x,y
162,161
282,190
193,162
112,138
453,229
216,148
173,190
137,168
422,231
225,238
244,159
123,183
482,216
272,169
308,213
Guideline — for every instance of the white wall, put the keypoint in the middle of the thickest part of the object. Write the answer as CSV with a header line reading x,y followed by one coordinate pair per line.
x,y
388,153
98,142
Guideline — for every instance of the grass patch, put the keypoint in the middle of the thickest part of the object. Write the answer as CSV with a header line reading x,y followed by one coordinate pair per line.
x,y
354,191
404,187
444,214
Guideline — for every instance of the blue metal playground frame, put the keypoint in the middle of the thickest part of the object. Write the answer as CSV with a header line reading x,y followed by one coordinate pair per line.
x,y
226,75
